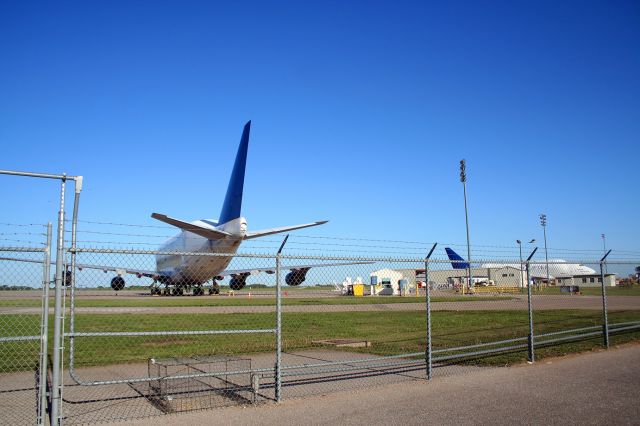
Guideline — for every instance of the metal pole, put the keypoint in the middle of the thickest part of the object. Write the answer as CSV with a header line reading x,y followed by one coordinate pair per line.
x,y
521,275
604,250
463,179
543,222
532,355
38,175
278,366
57,318
605,325
44,331
428,303
72,284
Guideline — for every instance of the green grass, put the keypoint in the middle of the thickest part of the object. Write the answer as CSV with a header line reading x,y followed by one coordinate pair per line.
x,y
595,291
389,332
159,301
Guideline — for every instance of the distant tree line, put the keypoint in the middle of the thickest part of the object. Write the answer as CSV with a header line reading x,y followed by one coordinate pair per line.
x,y
15,287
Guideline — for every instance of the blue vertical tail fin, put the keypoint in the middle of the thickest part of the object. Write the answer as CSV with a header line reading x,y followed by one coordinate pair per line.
x,y
457,261
232,206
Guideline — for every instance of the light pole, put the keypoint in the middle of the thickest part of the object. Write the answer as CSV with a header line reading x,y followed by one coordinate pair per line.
x,y
463,179
533,240
543,222
604,249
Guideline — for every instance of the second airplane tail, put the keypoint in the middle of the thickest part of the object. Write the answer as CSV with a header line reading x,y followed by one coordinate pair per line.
x,y
457,261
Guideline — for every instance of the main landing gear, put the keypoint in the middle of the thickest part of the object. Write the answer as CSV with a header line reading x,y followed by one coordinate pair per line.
x,y
196,290
215,287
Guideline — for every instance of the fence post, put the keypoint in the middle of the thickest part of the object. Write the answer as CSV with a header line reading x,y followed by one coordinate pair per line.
x,y
278,366
44,331
428,303
57,318
605,325
72,284
532,353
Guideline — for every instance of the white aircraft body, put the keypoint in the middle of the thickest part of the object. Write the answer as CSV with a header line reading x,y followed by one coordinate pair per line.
x,y
557,268
180,272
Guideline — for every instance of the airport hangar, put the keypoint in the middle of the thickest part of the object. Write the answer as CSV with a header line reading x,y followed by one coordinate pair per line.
x,y
505,276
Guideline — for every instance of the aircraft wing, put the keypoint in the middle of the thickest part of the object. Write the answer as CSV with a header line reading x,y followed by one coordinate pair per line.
x,y
81,266
272,270
272,231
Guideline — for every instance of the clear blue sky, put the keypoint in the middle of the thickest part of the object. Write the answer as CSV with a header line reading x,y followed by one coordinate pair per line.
x,y
361,112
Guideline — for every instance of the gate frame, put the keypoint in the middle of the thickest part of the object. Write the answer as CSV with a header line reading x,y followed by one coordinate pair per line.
x,y
55,413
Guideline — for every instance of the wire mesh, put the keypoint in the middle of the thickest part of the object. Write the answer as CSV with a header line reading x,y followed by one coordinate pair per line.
x,y
143,339
21,308
203,329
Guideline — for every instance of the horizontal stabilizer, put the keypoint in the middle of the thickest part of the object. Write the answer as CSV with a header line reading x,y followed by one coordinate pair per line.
x,y
271,231
211,234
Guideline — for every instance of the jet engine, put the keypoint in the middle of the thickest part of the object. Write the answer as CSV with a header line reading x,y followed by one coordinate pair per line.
x,y
296,276
68,276
117,283
238,282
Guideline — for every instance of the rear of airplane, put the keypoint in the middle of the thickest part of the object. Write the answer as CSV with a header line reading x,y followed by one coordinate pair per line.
x,y
231,209
457,261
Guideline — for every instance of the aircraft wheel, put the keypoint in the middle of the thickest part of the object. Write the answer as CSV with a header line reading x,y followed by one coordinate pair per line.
x,y
198,291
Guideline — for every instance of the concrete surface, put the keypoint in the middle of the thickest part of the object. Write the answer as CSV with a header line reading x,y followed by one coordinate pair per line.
x,y
589,389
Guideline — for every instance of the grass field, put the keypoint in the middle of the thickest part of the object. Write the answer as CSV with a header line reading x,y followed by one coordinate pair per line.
x,y
595,291
389,332
158,301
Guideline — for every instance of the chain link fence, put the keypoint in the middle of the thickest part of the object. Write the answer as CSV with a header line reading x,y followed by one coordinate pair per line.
x,y
136,344
24,334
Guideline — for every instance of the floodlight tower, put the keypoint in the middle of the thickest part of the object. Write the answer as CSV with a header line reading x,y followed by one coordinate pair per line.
x,y
533,240
604,248
463,179
543,222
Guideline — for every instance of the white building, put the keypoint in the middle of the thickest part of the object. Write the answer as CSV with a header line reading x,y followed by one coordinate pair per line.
x,y
388,281
590,280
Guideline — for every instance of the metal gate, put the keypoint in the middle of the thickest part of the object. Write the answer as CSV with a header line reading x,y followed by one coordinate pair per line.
x,y
24,331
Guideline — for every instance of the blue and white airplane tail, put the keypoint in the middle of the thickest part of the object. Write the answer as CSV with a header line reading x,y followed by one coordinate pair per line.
x,y
457,261
232,206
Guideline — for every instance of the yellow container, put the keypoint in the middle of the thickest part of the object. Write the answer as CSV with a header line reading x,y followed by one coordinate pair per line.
x,y
358,289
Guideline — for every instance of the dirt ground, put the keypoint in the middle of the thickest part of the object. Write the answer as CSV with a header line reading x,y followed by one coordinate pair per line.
x,y
598,388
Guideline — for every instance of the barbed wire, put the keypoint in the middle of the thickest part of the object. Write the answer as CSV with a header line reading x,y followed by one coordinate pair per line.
x,y
484,248
22,241
22,224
